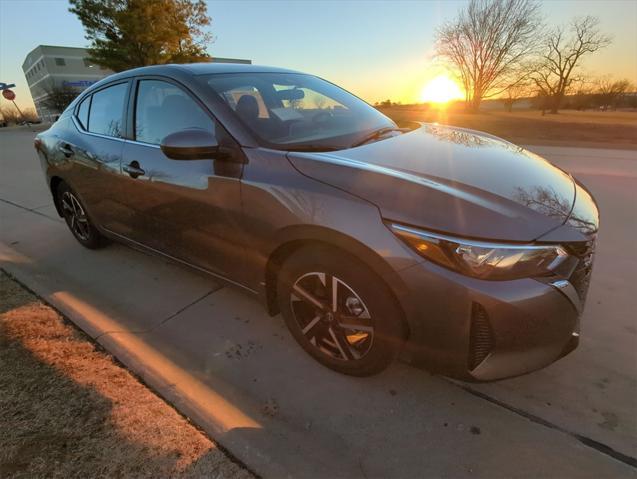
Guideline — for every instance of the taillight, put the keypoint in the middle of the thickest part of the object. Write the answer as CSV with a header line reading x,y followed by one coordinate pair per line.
x,y
37,143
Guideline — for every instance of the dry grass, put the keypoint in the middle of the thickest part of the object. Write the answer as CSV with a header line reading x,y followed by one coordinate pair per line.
x,y
68,410
573,116
568,128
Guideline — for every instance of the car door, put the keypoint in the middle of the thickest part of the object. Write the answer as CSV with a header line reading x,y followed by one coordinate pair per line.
x,y
189,209
95,151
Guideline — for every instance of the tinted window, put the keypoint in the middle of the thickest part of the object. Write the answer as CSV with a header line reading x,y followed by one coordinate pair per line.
x,y
163,108
107,111
82,112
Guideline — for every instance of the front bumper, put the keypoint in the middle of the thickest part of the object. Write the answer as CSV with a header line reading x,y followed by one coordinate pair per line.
x,y
480,330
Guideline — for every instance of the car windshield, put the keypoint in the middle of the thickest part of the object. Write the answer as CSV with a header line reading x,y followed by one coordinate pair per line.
x,y
293,111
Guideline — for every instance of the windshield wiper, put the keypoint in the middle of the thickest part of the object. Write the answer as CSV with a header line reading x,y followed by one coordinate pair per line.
x,y
378,133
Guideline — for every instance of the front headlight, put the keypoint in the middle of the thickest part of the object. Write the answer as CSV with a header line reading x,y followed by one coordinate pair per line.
x,y
492,261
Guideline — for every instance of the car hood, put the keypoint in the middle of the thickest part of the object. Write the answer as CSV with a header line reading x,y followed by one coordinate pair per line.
x,y
451,180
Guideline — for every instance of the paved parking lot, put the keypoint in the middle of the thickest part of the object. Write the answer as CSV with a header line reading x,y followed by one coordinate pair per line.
x,y
216,355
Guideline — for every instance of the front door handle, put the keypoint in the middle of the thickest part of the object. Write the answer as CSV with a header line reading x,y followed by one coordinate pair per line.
x,y
133,169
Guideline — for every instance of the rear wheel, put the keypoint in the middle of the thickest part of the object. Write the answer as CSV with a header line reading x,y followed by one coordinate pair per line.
x,y
339,311
77,220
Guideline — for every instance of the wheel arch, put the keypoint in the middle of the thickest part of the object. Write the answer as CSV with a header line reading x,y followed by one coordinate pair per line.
x,y
54,183
297,237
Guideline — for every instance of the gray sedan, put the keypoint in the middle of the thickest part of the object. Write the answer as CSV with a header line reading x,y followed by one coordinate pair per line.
x,y
458,250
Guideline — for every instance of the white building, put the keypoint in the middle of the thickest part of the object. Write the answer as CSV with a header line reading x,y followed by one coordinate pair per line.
x,y
49,67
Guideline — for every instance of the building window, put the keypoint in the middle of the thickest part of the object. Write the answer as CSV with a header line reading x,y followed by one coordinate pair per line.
x,y
60,62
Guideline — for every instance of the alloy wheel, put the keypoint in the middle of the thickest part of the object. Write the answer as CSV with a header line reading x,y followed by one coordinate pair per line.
x,y
332,316
75,216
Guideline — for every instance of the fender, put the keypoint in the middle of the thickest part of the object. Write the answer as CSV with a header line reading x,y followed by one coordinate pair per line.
x,y
290,238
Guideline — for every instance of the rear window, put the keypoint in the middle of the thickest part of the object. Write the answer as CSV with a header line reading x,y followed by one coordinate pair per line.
x,y
82,112
106,115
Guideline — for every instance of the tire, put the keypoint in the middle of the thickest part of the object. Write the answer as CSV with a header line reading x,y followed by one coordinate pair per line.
x,y
74,213
362,334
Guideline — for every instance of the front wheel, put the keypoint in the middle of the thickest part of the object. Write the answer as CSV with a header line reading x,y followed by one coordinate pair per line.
x,y
339,311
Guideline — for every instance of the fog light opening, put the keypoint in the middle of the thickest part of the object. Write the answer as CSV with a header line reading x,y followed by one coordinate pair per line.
x,y
481,341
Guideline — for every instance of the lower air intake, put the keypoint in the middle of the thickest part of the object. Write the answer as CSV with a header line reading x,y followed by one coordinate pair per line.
x,y
480,337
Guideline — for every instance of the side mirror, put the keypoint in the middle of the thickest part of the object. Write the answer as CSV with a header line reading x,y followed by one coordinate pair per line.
x,y
190,144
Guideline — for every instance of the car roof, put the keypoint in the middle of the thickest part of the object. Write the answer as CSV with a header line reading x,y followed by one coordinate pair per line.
x,y
198,69
207,68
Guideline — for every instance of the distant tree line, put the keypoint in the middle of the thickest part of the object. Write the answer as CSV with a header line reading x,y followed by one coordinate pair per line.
x,y
601,94
9,115
604,94
504,49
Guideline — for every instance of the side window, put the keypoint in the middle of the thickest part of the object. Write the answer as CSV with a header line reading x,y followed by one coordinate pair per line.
x,y
163,108
107,111
82,112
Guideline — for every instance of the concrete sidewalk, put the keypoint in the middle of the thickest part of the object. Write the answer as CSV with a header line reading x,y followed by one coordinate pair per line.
x,y
216,355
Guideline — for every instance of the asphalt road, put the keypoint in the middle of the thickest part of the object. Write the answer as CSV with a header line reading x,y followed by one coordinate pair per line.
x,y
216,355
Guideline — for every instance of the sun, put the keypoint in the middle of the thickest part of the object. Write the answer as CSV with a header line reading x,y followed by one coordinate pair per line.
x,y
440,89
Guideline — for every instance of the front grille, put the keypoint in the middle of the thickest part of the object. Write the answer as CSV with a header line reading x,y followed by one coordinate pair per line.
x,y
480,337
581,276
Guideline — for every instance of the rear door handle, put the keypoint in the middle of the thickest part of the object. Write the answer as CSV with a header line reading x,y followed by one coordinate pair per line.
x,y
133,169
66,150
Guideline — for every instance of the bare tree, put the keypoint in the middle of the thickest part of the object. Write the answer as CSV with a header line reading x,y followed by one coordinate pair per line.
x,y
556,69
488,44
319,101
58,98
9,114
611,92
551,203
515,93
29,114
581,93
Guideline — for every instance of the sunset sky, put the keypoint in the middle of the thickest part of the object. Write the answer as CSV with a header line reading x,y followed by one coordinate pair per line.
x,y
376,50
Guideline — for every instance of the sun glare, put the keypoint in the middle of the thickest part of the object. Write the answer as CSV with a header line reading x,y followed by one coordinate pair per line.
x,y
440,89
